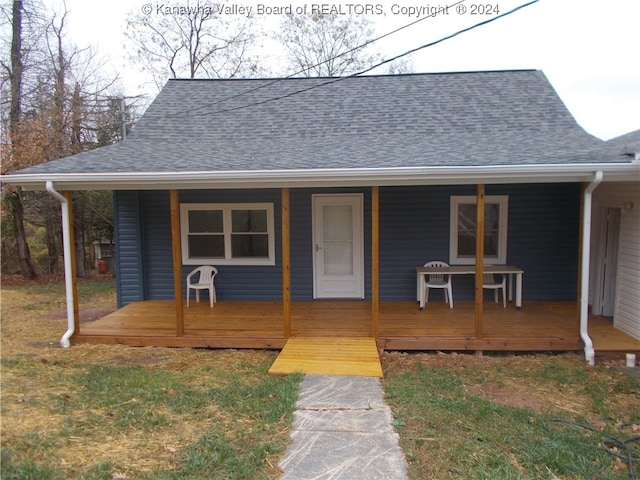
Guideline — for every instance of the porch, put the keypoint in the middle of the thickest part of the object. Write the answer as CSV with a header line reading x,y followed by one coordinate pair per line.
x,y
538,326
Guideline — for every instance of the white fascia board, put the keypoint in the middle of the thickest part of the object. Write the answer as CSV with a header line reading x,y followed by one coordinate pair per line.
x,y
399,176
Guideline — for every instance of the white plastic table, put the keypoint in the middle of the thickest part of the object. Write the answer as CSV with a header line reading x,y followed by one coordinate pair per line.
x,y
510,270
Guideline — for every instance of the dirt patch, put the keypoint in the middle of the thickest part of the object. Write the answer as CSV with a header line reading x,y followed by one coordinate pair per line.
x,y
17,279
44,345
540,400
508,397
138,360
87,314
521,391
45,279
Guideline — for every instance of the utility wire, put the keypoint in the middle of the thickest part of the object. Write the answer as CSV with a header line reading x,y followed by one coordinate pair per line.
x,y
339,79
306,69
448,37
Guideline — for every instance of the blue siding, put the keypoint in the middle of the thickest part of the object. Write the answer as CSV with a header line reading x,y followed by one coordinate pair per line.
x,y
302,240
244,282
232,282
543,230
157,251
414,228
128,253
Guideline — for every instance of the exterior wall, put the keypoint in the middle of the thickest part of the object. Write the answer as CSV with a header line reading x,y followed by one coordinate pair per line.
x,y
144,251
157,260
627,300
543,232
128,251
302,240
544,238
243,282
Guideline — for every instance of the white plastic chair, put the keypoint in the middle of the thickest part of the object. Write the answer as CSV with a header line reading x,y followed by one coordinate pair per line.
x,y
489,282
204,281
438,280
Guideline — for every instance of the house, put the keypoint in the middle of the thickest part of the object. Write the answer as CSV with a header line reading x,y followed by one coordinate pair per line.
x,y
102,255
317,199
615,256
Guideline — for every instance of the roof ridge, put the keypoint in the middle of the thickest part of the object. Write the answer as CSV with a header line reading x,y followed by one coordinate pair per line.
x,y
460,72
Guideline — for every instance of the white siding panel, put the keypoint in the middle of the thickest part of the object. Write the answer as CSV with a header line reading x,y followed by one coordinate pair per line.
x,y
627,314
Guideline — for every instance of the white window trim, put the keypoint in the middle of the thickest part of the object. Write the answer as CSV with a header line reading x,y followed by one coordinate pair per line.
x,y
226,216
501,259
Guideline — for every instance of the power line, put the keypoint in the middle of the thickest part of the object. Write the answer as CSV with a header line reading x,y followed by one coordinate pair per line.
x,y
306,69
448,37
339,79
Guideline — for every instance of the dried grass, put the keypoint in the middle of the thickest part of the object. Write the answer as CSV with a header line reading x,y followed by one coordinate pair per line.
x,y
520,388
32,393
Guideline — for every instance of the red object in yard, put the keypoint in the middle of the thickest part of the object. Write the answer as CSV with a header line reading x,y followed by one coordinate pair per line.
x,y
102,266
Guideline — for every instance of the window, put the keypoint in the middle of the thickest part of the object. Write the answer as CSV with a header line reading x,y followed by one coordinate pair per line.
x,y
231,234
462,243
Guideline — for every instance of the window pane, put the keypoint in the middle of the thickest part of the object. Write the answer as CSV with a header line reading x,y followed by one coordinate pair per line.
x,y
467,229
491,229
249,246
337,239
337,223
205,221
249,221
338,258
206,246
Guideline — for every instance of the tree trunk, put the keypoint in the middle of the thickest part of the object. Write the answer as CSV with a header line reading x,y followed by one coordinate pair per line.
x,y
52,244
24,255
15,110
78,231
15,114
60,90
76,120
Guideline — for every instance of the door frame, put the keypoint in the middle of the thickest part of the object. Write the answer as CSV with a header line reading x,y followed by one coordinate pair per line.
x,y
356,200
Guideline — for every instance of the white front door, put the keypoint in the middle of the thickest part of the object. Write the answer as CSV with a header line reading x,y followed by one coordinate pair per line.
x,y
338,257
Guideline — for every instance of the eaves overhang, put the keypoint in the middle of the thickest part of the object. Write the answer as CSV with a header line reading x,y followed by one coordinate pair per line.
x,y
398,176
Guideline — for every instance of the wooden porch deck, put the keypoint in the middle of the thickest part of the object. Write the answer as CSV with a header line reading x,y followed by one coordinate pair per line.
x,y
538,326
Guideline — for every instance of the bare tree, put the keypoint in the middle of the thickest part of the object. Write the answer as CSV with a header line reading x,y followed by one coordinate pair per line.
x,y
72,116
400,66
15,71
14,195
194,41
328,45
58,96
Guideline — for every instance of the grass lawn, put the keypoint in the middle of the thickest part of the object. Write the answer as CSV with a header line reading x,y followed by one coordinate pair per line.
x,y
514,417
115,412
122,413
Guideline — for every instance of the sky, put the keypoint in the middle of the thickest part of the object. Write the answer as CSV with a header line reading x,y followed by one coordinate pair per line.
x,y
588,49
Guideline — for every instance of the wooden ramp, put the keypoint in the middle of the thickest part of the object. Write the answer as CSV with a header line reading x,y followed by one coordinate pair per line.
x,y
350,356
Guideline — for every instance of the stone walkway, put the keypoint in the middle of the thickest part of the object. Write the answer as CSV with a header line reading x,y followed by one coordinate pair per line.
x,y
342,429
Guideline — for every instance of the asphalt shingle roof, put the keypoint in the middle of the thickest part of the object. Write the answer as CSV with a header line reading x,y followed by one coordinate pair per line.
x,y
628,143
447,119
